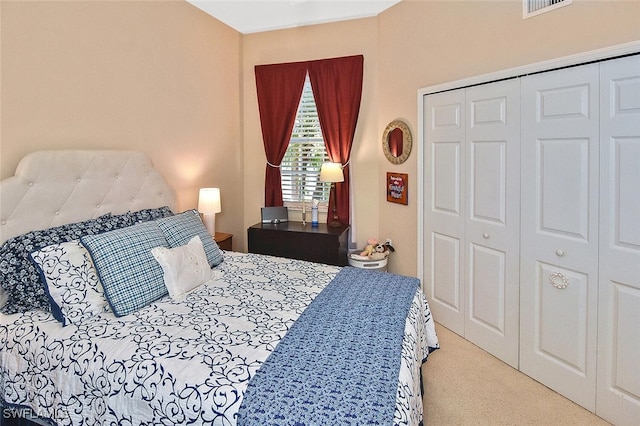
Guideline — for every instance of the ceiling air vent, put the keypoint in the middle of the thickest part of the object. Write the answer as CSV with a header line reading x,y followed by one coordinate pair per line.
x,y
536,7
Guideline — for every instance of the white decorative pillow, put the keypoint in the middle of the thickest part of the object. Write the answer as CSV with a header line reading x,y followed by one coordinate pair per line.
x,y
185,267
71,282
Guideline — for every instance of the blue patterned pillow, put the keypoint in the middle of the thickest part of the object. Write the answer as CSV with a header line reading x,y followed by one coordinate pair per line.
x,y
129,273
71,282
179,229
148,215
20,278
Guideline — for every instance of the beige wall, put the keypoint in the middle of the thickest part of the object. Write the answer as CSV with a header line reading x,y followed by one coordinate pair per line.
x,y
170,80
156,76
424,43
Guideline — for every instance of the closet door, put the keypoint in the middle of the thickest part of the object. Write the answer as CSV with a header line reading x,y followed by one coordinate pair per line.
x,y
444,206
559,231
472,213
618,394
492,226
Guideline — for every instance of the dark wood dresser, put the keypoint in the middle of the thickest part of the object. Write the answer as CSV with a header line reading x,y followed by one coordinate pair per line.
x,y
322,244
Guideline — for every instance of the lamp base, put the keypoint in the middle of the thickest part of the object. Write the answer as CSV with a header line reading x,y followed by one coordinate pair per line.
x,y
210,223
334,223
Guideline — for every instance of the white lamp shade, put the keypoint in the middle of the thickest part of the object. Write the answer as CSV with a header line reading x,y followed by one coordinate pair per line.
x,y
209,201
331,172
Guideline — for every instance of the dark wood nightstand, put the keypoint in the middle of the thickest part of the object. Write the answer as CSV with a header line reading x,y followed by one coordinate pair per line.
x,y
322,244
224,240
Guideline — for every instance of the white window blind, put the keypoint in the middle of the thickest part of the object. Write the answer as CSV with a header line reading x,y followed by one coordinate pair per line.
x,y
300,167
532,8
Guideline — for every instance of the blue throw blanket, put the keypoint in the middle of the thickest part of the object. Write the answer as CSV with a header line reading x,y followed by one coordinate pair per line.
x,y
339,362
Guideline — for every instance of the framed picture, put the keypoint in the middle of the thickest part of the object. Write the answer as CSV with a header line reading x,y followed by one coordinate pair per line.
x,y
397,188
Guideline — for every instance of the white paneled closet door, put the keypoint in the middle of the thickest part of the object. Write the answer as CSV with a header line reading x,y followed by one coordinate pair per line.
x,y
472,213
559,230
492,226
444,197
618,390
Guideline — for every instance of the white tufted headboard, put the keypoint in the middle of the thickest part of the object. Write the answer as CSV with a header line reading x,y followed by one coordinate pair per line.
x,y
52,188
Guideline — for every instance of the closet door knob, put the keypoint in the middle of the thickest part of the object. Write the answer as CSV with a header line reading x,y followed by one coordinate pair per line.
x,y
559,253
558,280
485,236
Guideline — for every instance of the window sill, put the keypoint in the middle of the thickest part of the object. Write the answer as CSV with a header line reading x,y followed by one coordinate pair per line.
x,y
323,206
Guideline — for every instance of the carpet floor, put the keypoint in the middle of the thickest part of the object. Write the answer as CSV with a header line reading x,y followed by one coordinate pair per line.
x,y
464,385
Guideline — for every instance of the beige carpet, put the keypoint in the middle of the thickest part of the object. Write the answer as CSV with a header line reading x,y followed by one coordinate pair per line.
x,y
464,385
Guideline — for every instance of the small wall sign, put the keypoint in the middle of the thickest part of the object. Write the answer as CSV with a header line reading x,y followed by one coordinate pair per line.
x,y
397,188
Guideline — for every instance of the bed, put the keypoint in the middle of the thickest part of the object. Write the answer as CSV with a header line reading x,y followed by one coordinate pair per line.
x,y
137,317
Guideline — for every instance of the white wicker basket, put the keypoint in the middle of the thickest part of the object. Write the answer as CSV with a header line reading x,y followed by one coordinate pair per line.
x,y
376,265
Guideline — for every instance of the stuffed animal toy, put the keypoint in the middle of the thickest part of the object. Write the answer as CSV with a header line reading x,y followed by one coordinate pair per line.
x,y
370,248
373,251
385,248
381,251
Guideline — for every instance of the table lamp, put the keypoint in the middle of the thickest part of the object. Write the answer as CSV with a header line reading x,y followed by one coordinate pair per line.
x,y
209,205
332,172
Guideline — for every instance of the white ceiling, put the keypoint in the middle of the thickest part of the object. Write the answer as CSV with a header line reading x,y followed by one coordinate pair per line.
x,y
251,16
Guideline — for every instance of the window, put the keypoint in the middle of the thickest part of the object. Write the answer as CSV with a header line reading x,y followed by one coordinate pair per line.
x,y
532,8
300,167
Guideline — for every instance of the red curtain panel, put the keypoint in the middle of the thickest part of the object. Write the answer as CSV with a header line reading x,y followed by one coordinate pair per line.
x,y
279,88
337,88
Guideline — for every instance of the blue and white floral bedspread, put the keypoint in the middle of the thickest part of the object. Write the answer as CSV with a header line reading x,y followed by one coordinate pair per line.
x,y
180,362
